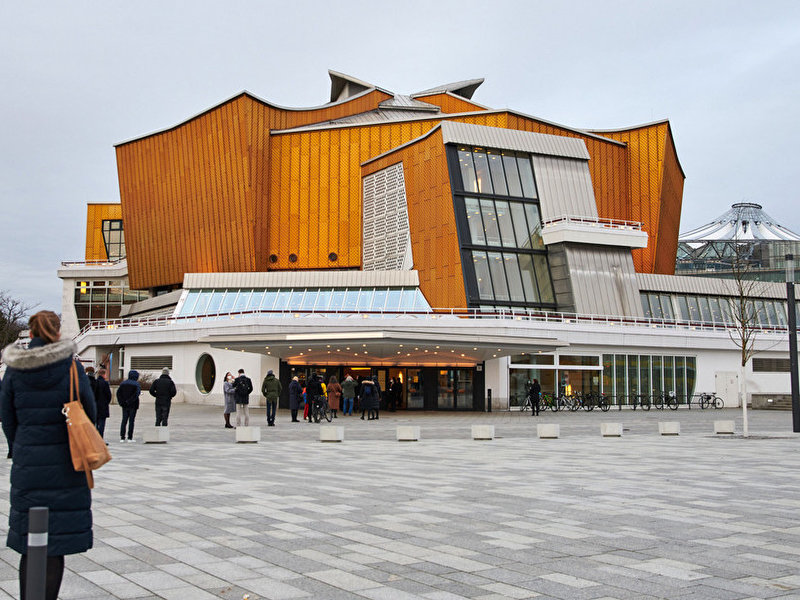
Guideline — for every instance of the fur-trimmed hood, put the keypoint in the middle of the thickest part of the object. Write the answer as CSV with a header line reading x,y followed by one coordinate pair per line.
x,y
41,356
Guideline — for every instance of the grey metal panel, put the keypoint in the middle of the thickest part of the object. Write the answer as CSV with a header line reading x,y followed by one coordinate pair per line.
x,y
466,87
603,280
678,284
299,279
401,101
512,139
565,187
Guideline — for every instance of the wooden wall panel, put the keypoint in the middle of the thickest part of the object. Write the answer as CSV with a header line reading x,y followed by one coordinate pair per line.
x,y
434,238
450,103
95,215
671,201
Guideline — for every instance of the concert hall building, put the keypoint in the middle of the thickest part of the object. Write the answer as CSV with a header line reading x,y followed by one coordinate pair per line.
x,y
423,236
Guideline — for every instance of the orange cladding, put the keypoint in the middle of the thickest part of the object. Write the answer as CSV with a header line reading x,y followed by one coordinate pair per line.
x,y
95,215
431,219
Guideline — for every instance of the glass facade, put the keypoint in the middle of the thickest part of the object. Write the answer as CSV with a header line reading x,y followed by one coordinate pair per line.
x,y
102,300
627,376
711,309
328,300
500,229
114,238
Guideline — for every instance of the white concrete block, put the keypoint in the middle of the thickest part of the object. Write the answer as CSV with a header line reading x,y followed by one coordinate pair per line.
x,y
611,429
331,433
548,430
669,428
156,435
483,432
726,427
248,435
408,433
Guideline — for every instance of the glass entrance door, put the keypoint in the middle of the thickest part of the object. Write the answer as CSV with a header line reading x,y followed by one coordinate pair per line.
x,y
455,389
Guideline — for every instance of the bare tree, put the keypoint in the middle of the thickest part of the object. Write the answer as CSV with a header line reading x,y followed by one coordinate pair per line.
x,y
12,317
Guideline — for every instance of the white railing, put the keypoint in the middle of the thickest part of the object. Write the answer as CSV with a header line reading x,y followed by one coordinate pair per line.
x,y
515,314
91,263
596,222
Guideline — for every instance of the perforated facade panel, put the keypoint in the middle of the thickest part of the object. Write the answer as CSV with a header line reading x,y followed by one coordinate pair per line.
x,y
387,243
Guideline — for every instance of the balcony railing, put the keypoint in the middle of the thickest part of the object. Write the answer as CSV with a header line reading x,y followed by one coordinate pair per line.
x,y
596,222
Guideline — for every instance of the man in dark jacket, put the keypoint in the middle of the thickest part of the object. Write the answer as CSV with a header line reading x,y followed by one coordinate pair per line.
x,y
163,390
314,394
102,398
92,380
242,387
128,399
295,397
535,394
271,390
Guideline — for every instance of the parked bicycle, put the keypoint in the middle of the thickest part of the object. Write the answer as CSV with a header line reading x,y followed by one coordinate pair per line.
x,y
711,399
665,399
641,400
320,410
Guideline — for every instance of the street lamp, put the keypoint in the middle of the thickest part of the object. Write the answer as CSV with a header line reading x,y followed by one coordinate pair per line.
x,y
792,342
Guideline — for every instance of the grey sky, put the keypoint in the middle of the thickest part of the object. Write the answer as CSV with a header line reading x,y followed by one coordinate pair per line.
x,y
78,77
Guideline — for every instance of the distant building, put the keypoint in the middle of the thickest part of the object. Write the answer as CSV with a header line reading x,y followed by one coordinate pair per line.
x,y
744,233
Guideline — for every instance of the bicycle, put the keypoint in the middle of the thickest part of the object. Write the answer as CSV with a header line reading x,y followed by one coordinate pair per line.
x,y
711,399
642,400
320,410
526,404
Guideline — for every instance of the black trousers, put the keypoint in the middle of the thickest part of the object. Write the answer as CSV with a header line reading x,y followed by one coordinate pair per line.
x,y
55,572
128,418
162,413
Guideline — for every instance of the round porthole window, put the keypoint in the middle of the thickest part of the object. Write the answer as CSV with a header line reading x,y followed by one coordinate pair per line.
x,y
333,257
273,258
293,258
205,373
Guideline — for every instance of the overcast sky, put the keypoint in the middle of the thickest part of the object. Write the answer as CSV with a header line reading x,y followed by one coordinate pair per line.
x,y
77,77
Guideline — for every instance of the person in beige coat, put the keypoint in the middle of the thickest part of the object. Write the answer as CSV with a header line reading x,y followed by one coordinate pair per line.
x,y
334,395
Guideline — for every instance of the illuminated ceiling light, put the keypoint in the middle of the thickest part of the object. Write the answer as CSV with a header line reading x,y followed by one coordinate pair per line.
x,y
398,351
363,345
328,346
347,348
474,348
462,355
290,347
266,347
400,345
437,347
301,354
494,355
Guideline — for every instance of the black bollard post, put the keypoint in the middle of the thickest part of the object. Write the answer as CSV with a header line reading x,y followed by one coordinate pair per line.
x,y
36,576
489,399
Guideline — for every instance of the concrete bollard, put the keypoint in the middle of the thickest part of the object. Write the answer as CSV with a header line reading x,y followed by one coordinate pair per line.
x,y
248,435
548,431
331,433
408,433
36,576
611,429
724,427
156,435
669,428
483,432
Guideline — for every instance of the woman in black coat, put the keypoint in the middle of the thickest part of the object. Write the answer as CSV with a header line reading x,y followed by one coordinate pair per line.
x,y
35,389
295,398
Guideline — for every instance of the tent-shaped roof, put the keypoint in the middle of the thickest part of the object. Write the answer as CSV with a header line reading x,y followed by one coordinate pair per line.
x,y
744,221
465,89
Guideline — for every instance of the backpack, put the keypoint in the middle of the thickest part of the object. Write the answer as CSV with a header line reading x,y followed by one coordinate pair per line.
x,y
243,386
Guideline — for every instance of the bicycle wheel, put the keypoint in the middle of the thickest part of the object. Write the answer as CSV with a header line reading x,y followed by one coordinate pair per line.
x,y
326,414
645,403
658,402
719,403
604,404
704,402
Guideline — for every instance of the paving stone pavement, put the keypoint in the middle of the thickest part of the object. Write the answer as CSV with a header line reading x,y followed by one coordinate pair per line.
x,y
581,517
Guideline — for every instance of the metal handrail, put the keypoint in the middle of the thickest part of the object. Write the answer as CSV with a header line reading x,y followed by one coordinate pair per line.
x,y
595,221
517,314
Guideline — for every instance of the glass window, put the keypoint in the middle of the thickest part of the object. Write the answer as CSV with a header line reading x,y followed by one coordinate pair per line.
x,y
608,374
633,375
282,299
762,313
620,381
705,309
467,170
498,276
323,299
716,311
644,375
514,279
309,299
482,171
656,374
646,306
694,308
529,278
669,374
407,302
393,299
691,371
526,175
242,300
490,223
512,174
533,359
215,302
228,301
202,302
576,360
505,223
379,300
655,307
351,300
666,306
543,279
520,225
337,300
188,304
256,299
498,177
473,208
481,264
680,378
420,303
296,299
269,299
683,307
365,298
780,310
534,227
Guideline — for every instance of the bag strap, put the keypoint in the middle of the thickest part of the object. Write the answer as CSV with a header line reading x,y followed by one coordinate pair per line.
x,y
74,395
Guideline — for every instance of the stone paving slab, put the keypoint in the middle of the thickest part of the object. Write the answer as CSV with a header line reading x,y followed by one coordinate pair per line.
x,y
642,516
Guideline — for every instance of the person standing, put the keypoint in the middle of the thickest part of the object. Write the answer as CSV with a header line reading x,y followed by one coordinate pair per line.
x,y
92,380
397,394
128,398
535,395
271,389
230,399
369,399
334,394
314,394
36,387
102,398
163,390
295,397
242,387
348,393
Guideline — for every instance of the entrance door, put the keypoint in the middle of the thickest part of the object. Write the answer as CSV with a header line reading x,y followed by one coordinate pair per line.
x,y
455,389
